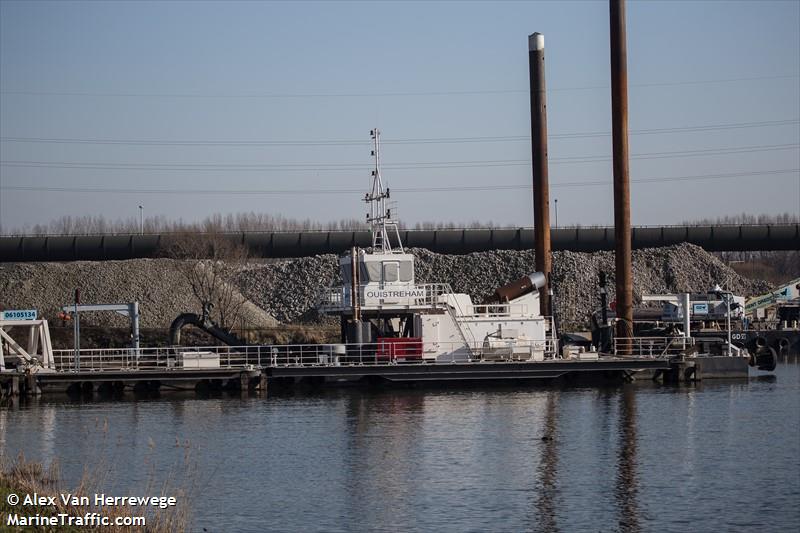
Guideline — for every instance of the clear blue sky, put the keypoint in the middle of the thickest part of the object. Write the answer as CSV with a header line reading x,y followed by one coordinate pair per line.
x,y
163,72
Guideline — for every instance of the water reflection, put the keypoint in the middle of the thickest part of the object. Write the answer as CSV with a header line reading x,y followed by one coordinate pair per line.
x,y
546,488
384,445
626,489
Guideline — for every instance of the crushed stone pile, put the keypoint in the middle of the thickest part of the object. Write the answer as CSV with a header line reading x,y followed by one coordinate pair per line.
x,y
157,284
575,276
288,290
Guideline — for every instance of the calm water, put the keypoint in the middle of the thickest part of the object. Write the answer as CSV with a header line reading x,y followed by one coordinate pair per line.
x,y
721,456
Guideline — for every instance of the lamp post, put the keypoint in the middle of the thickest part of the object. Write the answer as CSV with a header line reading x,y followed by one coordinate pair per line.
x,y
141,220
556,202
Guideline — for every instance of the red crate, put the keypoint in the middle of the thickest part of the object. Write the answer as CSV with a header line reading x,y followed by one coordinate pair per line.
x,y
399,348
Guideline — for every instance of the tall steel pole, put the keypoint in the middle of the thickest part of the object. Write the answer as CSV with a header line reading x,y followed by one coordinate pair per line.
x,y
619,134
541,189
555,203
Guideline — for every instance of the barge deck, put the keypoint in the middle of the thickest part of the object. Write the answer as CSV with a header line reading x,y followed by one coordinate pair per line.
x,y
256,367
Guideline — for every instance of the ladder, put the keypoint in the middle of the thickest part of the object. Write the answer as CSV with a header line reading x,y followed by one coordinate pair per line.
x,y
452,312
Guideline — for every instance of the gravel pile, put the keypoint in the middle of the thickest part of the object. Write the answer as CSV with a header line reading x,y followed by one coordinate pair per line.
x,y
157,284
288,289
675,269
575,276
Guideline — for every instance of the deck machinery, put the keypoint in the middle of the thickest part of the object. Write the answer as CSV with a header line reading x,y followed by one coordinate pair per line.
x,y
385,311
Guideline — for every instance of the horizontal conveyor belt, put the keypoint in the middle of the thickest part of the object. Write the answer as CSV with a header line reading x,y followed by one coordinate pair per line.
x,y
745,237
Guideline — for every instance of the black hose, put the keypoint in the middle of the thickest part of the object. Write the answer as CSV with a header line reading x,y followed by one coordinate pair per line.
x,y
215,331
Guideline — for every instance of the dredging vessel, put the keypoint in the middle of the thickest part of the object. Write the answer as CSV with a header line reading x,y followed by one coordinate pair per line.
x,y
393,329
380,304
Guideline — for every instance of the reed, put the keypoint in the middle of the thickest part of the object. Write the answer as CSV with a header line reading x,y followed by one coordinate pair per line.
x,y
21,476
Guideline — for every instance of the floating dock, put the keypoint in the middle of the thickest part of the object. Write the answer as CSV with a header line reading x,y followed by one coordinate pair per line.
x,y
484,371
256,368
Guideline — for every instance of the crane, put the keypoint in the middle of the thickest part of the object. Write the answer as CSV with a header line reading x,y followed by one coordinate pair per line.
x,y
788,291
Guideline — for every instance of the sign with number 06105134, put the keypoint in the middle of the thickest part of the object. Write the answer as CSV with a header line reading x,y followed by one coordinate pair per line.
x,y
18,314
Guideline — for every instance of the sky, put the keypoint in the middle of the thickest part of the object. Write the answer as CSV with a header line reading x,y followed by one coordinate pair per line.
x,y
194,108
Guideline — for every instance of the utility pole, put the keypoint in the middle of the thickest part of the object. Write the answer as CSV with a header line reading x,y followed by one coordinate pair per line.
x,y
619,134
541,188
141,220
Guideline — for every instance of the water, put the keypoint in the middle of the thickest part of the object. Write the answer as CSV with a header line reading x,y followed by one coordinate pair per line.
x,y
719,456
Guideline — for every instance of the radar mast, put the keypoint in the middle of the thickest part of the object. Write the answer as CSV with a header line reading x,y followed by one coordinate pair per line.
x,y
382,225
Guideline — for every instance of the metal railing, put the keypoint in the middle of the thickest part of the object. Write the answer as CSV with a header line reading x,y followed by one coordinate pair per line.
x,y
335,298
178,358
499,310
413,351
652,347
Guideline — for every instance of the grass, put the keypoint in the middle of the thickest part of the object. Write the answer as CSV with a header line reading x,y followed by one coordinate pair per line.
x,y
5,509
22,477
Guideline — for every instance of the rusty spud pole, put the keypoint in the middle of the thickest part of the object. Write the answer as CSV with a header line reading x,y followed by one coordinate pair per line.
x,y
541,188
622,196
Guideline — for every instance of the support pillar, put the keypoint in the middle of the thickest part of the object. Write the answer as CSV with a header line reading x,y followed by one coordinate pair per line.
x,y
541,187
619,134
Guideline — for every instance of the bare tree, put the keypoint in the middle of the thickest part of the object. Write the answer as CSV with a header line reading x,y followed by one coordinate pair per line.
x,y
208,262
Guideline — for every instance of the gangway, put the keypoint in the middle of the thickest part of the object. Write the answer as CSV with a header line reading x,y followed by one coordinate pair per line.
x,y
38,355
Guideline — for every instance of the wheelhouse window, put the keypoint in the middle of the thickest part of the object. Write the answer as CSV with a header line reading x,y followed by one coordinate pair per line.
x,y
391,272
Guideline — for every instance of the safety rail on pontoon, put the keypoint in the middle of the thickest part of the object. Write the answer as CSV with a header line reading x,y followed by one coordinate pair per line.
x,y
383,352
653,347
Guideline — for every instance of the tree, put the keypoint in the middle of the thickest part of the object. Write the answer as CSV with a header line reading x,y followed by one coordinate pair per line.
x,y
208,262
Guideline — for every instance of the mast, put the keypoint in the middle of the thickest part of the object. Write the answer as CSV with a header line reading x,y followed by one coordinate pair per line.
x,y
380,216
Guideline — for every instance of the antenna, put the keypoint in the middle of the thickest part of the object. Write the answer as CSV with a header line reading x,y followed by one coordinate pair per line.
x,y
379,217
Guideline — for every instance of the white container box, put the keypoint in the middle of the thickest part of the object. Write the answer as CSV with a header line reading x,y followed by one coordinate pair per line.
x,y
196,360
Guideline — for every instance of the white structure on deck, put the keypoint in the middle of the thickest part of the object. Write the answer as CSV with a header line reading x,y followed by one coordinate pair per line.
x,y
37,356
130,309
381,304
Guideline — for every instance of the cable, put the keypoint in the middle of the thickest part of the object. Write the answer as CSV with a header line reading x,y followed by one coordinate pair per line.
x,y
379,94
295,167
445,140
323,192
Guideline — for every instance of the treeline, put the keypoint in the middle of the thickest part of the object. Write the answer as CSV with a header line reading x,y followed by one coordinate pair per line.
x,y
255,222
744,218
216,223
